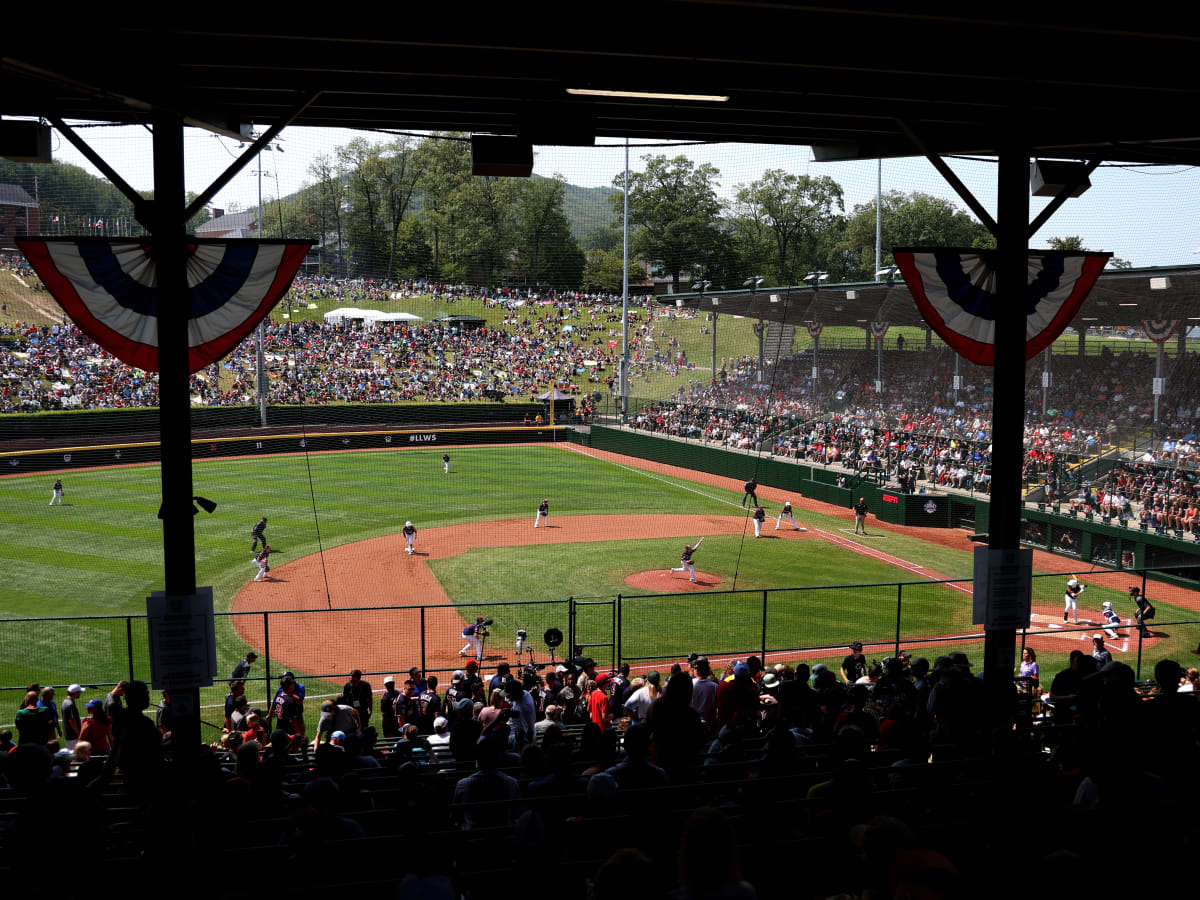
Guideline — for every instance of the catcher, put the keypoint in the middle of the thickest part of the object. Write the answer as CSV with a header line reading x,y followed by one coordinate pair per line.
x,y
685,560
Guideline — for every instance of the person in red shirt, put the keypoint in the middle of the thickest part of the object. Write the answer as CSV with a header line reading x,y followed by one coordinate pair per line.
x,y
598,707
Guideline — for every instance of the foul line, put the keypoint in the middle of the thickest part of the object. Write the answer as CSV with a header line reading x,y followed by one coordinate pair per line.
x,y
853,546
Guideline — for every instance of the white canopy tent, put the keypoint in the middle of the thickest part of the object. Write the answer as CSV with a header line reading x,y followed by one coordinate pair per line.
x,y
369,317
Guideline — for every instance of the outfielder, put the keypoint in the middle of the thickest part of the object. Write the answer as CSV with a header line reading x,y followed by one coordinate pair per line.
x,y
259,533
786,512
760,516
685,560
410,537
263,560
543,512
473,643
57,495
1111,620
446,462
1071,598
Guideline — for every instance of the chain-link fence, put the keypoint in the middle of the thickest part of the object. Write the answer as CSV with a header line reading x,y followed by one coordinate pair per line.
x,y
804,624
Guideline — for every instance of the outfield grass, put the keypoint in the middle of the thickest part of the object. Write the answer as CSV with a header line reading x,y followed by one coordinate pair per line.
x,y
101,555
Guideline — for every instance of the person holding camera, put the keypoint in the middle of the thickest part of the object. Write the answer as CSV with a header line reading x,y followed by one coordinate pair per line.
x,y
472,636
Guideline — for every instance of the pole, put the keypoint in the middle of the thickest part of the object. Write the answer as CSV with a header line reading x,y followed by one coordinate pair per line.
x,y
764,630
1158,361
129,643
1008,408
1045,377
714,347
260,332
267,656
422,640
174,413
899,602
878,217
625,297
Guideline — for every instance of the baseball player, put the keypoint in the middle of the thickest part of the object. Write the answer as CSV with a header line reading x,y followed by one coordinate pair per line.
x,y
760,516
543,512
1111,620
262,560
259,533
57,495
786,512
410,538
446,462
1071,598
472,644
685,560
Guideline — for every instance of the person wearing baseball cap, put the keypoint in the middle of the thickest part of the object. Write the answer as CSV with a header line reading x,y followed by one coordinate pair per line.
x,y
543,513
1099,652
854,666
72,721
387,707
410,538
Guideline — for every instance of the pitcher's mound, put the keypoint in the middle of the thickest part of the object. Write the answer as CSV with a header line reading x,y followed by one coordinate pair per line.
x,y
664,580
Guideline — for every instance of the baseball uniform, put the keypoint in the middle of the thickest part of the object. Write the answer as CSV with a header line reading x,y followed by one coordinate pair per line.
x,y
473,643
760,516
543,512
259,533
262,560
410,537
685,560
786,512
57,495
1070,600
446,462
1112,621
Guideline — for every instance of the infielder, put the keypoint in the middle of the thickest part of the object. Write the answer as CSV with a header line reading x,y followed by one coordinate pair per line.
x,y
263,560
760,516
259,533
1071,600
57,495
1111,620
685,560
473,643
786,512
410,537
446,462
543,512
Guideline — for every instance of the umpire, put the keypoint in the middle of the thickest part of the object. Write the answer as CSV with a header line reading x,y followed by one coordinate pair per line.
x,y
259,533
750,487
860,516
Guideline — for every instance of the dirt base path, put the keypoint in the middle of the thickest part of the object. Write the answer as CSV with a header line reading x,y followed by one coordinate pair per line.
x,y
379,573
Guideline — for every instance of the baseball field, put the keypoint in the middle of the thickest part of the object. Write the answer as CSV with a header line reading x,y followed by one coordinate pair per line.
x,y
344,593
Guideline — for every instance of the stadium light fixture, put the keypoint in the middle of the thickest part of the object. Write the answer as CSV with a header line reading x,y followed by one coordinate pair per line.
x,y
888,272
648,95
754,282
815,278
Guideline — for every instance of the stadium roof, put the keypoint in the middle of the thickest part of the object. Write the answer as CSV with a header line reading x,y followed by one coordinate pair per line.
x,y
856,80
1120,297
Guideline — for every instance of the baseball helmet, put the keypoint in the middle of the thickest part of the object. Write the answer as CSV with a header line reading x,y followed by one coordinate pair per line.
x,y
408,524
1107,604
478,619
1072,583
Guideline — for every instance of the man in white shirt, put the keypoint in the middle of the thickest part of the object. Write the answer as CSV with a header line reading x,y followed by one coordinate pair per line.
x,y
441,733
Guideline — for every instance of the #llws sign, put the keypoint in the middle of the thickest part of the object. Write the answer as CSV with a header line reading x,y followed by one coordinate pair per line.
x,y
955,290
109,289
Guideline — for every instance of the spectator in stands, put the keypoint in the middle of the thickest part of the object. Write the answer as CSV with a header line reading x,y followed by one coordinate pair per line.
x,y
440,739
97,727
598,702
854,666
635,770
737,694
524,715
487,798
336,716
33,722
643,695
708,865
704,692
676,730
360,697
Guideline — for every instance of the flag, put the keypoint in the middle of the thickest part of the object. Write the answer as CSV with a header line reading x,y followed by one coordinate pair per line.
x,y
879,330
99,223
107,286
1159,330
954,290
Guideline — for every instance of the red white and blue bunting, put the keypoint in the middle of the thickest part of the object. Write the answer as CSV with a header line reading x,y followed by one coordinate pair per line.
x,y
879,330
108,287
955,292
814,329
1159,330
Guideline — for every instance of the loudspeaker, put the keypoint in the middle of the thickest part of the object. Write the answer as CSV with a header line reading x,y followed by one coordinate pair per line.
x,y
24,142
501,155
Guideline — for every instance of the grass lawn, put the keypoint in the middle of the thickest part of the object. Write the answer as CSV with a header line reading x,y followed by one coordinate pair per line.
x,y
100,555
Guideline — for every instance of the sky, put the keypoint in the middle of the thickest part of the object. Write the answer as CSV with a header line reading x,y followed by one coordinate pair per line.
x,y
1143,214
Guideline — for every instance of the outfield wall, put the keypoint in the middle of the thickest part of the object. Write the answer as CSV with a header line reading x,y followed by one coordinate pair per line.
x,y
1094,541
24,462
65,427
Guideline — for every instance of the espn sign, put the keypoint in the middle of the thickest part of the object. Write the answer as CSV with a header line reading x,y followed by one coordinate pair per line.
x,y
889,498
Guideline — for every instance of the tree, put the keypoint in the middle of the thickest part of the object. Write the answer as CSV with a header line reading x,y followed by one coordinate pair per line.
x,y
788,213
606,237
362,163
445,165
909,220
484,209
1075,242
399,173
673,206
327,206
602,272
546,252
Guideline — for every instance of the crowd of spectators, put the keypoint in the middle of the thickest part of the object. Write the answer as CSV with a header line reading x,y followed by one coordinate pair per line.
x,y
882,751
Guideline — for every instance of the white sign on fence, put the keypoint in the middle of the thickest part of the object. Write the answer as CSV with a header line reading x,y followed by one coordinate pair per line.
x,y
183,642
1003,587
